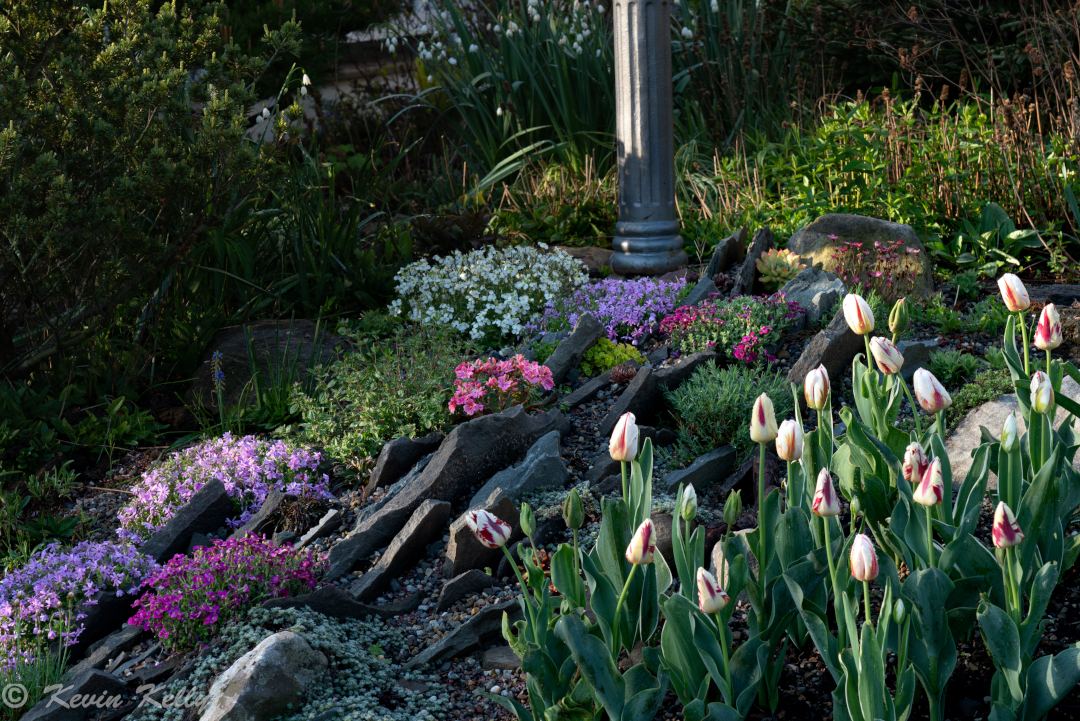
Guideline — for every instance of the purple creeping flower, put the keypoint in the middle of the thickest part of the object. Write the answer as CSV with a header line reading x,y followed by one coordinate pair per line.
x,y
250,468
45,599
627,309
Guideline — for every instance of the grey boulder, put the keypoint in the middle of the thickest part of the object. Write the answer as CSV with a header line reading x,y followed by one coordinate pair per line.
x,y
399,456
542,467
483,628
571,351
816,291
204,512
706,471
409,546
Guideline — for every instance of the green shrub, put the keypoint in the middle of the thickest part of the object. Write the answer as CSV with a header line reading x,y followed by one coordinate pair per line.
x,y
713,407
542,351
951,366
114,158
605,355
395,387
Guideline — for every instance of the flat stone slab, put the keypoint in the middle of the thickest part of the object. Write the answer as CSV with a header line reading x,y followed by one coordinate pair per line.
x,y
399,456
744,283
587,391
484,627
571,351
702,291
424,526
835,348
644,397
204,512
501,658
463,586
706,471
542,467
334,602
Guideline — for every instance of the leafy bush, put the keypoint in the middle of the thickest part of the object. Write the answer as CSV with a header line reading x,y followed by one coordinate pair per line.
x,y
508,383
736,327
542,351
713,407
386,389
553,204
951,366
486,294
249,467
42,601
108,175
627,309
605,355
194,596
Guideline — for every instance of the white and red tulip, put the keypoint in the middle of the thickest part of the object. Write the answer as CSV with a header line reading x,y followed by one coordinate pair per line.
x,y
1006,531
1042,393
488,528
642,548
789,441
1048,332
624,439
826,503
931,395
763,422
915,463
858,315
711,598
887,356
1013,293
931,489
816,387
864,563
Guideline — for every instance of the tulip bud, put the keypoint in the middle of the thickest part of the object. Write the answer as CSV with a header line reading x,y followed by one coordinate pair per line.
x,y
899,317
763,422
816,387
915,463
624,439
1006,532
573,512
1010,434
1042,393
1048,332
1013,293
825,504
855,507
858,314
931,395
711,598
732,508
689,508
887,356
864,564
527,519
642,546
490,530
899,610
789,441
931,489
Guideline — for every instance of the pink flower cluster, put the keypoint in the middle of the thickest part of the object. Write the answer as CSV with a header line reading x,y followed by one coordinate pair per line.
x,y
745,349
194,596
883,272
494,385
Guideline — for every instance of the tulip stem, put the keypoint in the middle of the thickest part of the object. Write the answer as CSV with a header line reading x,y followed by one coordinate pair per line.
x,y
1047,361
941,424
1027,349
626,498
866,601
722,638
832,581
911,401
929,537
617,622
761,560
577,567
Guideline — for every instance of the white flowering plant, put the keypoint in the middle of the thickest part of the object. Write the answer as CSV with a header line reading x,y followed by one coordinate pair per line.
x,y
486,294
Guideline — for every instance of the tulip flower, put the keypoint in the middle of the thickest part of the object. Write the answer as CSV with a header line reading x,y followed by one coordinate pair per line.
x,y
931,489
915,463
789,441
763,422
642,548
887,356
527,520
826,503
932,396
733,508
624,439
1006,531
689,507
573,510
1048,332
1042,393
711,598
1013,293
864,563
816,387
488,528
858,315
1010,434
899,319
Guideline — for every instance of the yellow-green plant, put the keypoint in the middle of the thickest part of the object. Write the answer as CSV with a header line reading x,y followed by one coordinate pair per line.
x,y
777,267
605,355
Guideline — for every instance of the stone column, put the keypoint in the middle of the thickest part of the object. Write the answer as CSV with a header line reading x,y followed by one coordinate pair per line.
x,y
647,240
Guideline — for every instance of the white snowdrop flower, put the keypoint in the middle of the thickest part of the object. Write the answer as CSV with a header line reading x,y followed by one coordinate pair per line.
x,y
687,32
303,90
562,40
473,48
496,29
499,111
430,79
586,32
423,28
445,15
453,61
307,81
266,112
580,38
715,8
600,9
598,52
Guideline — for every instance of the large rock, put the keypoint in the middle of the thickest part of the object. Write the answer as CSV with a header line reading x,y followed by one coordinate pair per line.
x,y
586,391
916,355
571,351
461,587
464,552
425,526
594,258
471,636
501,658
706,471
602,467
264,520
333,602
399,456
542,467
205,512
967,436
835,348
816,291
702,291
817,242
278,346
730,250
108,648
107,692
330,522
106,612
267,681
644,397
744,283
471,454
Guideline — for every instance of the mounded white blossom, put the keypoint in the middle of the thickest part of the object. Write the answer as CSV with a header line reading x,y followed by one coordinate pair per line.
x,y
487,291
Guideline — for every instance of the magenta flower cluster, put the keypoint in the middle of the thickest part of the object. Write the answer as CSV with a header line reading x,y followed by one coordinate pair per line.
x,y
249,467
627,309
45,599
740,327
495,385
883,270
193,596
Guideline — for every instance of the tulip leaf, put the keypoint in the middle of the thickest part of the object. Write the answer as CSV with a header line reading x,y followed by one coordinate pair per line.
x,y
611,541
969,499
933,648
1049,680
710,653
648,614
680,655
510,704
565,576
793,537
603,599
747,665
1042,587
644,705
663,576
1003,642
596,664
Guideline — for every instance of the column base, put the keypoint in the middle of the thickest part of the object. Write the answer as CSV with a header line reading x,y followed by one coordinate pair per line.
x,y
635,255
